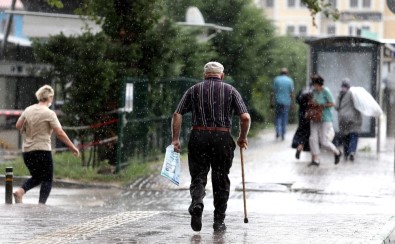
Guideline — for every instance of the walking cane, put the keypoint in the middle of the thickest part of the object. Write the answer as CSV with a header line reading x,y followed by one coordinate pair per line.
x,y
244,189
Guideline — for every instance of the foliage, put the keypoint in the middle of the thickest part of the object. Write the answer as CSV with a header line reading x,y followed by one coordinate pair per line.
x,y
141,40
321,6
81,67
55,3
135,42
287,52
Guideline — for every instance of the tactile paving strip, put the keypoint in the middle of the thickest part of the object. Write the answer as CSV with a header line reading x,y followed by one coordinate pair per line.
x,y
86,229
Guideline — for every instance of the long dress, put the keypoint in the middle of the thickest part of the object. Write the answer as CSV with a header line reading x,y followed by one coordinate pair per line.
x,y
302,133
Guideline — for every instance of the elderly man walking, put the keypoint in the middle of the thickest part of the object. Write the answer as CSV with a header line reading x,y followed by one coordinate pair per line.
x,y
212,103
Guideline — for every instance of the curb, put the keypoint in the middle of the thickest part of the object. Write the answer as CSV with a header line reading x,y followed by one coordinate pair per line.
x,y
63,183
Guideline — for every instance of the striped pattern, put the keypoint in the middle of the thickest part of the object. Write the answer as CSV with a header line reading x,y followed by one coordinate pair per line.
x,y
212,103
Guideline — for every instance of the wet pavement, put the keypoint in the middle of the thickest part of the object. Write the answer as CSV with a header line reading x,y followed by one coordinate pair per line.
x,y
287,202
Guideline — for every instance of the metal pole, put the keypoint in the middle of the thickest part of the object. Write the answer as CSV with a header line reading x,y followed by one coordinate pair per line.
x,y
379,97
7,30
8,184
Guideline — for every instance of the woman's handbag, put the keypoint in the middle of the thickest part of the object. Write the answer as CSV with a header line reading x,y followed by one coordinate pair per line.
x,y
314,112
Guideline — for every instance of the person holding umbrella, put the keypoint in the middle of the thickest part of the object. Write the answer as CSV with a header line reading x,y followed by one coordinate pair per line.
x,y
212,103
350,120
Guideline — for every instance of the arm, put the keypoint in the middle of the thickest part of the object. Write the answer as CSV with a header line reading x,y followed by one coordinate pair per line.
x,y
175,131
245,122
292,100
20,123
61,135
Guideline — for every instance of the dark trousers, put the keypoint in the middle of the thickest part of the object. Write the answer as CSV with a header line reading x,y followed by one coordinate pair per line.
x,y
40,165
216,150
350,143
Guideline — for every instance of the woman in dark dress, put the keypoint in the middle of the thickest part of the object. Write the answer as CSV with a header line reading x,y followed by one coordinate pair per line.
x,y
302,134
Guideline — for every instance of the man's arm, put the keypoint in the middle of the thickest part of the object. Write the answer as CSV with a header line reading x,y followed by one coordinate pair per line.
x,y
245,122
175,131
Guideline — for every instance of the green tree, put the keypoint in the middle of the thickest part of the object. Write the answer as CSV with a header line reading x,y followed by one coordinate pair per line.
x,y
135,42
287,52
84,73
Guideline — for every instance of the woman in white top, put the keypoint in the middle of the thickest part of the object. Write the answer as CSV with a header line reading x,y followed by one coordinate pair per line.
x,y
36,124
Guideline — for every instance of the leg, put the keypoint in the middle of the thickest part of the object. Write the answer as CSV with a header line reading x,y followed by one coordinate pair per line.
x,y
221,162
314,141
34,168
346,145
198,168
326,140
353,144
277,121
46,176
326,130
284,122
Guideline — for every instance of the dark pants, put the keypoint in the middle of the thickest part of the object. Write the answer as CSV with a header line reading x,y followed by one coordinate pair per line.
x,y
40,166
281,119
349,142
215,149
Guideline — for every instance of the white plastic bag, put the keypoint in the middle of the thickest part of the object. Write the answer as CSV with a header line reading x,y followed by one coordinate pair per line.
x,y
171,165
364,102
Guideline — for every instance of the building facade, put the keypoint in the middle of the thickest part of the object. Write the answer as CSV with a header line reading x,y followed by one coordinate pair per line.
x,y
367,18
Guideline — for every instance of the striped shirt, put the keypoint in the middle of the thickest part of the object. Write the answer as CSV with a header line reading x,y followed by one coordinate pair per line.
x,y
212,103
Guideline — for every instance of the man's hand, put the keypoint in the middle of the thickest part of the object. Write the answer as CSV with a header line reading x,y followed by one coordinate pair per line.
x,y
242,142
177,145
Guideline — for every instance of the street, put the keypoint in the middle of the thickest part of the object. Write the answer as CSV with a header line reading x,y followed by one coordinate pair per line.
x,y
287,202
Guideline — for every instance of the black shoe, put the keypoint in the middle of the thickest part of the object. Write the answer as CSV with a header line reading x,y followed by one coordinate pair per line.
x,y
351,157
196,217
337,157
314,163
282,137
297,155
219,226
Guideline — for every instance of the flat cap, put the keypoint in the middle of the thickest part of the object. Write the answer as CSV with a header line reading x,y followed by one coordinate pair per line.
x,y
213,67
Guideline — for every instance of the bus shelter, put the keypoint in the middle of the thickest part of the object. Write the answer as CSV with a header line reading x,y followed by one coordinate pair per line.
x,y
356,58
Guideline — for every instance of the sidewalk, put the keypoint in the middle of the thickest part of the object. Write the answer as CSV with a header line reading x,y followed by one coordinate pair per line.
x,y
287,202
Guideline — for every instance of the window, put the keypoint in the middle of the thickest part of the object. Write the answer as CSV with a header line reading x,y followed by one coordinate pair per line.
x,y
365,28
302,30
360,3
332,3
354,3
270,3
331,30
290,30
296,3
366,3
